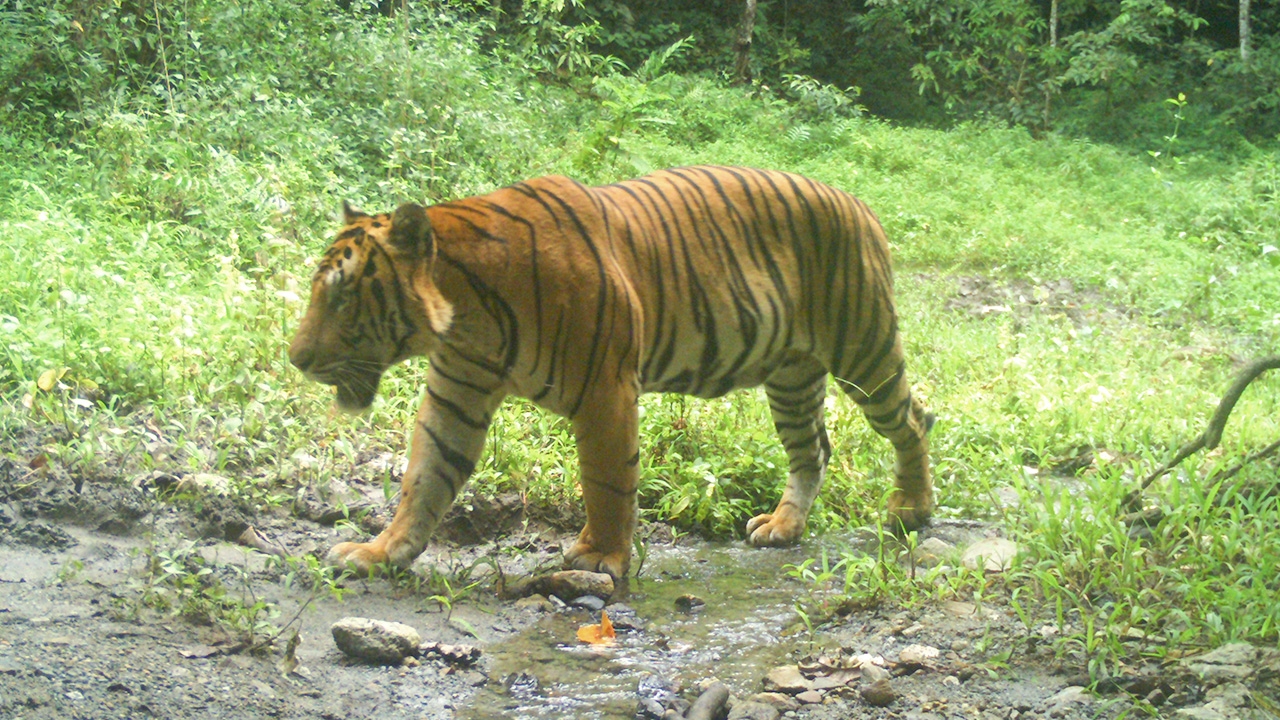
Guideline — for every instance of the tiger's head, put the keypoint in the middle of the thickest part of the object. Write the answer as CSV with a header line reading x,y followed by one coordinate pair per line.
x,y
373,303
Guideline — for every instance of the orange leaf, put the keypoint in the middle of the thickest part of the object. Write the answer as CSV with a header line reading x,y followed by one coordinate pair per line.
x,y
602,634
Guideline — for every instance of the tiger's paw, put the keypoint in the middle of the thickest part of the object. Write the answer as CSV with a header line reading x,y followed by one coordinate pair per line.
x,y
774,529
583,557
908,513
359,557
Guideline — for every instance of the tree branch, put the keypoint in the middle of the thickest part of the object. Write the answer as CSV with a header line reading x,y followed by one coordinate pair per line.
x,y
1212,434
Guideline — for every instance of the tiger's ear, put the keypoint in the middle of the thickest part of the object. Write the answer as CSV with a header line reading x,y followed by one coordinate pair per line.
x,y
350,214
411,231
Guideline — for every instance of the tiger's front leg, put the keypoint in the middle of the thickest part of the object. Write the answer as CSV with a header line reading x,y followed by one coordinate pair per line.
x,y
609,459
448,437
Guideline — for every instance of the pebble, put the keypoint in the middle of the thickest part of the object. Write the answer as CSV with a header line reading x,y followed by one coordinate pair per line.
x,y
590,602
879,693
809,697
919,655
375,641
874,673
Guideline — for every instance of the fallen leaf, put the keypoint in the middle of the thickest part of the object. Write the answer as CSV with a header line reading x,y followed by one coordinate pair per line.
x,y
601,634
39,462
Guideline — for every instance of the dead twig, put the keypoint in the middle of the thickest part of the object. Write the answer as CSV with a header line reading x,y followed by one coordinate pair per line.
x,y
1212,434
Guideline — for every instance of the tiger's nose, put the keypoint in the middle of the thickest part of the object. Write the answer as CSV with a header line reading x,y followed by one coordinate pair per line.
x,y
302,358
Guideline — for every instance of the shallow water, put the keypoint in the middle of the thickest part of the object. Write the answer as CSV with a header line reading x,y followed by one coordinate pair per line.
x,y
736,637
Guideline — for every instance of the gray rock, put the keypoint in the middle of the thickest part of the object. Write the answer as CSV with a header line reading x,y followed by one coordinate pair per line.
x,y
752,710
375,641
590,602
1231,662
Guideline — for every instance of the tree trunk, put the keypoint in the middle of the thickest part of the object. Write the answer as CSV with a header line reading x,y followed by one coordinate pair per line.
x,y
1053,23
1244,31
742,68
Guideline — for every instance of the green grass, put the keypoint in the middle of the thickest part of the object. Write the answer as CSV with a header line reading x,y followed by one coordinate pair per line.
x,y
155,260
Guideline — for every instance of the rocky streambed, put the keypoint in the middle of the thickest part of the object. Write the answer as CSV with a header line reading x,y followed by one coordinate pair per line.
x,y
122,598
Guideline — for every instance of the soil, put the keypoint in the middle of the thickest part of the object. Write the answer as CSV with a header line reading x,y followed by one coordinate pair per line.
x,y
94,622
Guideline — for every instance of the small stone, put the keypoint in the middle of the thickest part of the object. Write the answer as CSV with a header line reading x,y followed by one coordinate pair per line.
x,y
752,710
375,641
931,552
809,697
912,631
874,673
951,680
787,679
879,693
992,554
918,655
690,603
590,602
959,645
535,602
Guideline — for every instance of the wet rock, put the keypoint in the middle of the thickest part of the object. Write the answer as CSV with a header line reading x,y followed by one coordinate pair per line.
x,y
656,696
535,602
752,710
589,602
778,700
522,685
709,703
786,679
464,655
375,641
809,697
43,535
565,585
690,603
879,693
992,554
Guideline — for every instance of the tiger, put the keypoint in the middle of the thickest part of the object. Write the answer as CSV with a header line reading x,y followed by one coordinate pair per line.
x,y
695,280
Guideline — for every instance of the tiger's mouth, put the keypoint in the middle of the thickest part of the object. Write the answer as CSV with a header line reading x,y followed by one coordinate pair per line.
x,y
354,389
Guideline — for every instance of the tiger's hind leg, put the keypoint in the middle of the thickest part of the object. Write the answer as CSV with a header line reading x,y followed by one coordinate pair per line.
x,y
796,394
886,400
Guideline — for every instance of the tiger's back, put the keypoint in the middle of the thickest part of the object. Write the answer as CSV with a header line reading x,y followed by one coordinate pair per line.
x,y
696,280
